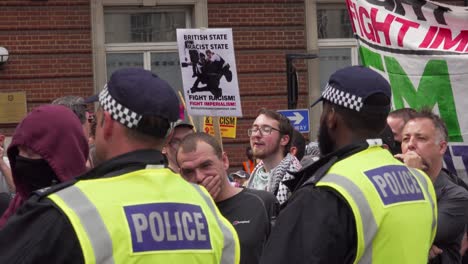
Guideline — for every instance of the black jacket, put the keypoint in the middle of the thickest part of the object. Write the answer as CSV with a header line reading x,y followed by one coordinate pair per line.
x,y
316,225
452,211
40,232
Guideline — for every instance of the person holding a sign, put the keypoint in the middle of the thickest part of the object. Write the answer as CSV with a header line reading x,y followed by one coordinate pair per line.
x,y
115,213
357,204
251,212
424,142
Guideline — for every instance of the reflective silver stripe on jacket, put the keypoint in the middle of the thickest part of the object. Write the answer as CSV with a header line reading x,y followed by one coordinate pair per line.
x,y
151,166
91,221
228,255
369,226
423,180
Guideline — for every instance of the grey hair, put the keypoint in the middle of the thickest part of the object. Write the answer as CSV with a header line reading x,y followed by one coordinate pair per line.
x,y
74,103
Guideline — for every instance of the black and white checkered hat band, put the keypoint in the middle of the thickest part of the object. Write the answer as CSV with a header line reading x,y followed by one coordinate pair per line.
x,y
344,99
119,112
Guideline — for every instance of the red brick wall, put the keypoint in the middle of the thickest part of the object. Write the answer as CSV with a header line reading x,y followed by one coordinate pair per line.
x,y
264,31
50,49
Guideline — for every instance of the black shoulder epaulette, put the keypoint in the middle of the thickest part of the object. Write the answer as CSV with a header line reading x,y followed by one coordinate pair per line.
x,y
41,193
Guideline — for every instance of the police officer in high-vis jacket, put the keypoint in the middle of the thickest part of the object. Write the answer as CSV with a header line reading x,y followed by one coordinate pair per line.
x,y
131,208
357,203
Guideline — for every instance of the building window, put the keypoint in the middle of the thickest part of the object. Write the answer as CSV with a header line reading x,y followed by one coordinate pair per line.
x,y
145,37
144,24
337,47
115,61
142,33
333,22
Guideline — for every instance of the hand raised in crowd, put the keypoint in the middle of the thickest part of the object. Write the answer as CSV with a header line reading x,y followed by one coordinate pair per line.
x,y
412,159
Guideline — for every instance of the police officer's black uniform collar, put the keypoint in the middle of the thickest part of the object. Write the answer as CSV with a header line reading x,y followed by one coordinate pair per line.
x,y
127,162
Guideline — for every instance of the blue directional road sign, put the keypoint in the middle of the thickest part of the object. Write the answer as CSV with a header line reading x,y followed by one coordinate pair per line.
x,y
299,118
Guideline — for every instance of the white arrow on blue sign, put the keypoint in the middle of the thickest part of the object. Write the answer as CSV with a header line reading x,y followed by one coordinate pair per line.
x,y
299,118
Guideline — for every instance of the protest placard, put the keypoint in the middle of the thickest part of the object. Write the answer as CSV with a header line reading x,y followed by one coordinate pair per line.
x,y
209,74
227,126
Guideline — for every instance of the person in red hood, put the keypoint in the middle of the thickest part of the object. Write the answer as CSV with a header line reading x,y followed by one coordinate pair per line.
x,y
47,147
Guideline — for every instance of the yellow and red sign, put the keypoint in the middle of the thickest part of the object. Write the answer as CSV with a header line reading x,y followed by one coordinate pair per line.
x,y
227,126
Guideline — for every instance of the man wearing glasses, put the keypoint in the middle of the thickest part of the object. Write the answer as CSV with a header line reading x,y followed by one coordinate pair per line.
x,y
181,129
270,139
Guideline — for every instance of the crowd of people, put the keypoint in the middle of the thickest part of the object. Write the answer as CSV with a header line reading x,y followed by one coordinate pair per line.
x,y
134,183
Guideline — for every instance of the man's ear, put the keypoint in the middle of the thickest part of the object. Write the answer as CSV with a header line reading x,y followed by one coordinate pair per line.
x,y
293,150
169,135
443,147
284,140
225,161
331,118
107,125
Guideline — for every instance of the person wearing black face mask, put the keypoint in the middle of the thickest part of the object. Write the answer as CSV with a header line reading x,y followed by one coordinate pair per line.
x,y
48,147
34,174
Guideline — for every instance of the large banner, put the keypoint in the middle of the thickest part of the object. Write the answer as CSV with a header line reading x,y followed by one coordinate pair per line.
x,y
421,47
209,74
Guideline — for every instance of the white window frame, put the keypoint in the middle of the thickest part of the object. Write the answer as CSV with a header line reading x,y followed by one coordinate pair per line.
x,y
338,42
342,43
148,47
313,46
198,19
